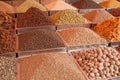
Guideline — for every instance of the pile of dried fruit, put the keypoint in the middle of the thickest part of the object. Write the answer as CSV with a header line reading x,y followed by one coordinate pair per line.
x,y
80,36
7,41
109,29
6,21
68,17
99,63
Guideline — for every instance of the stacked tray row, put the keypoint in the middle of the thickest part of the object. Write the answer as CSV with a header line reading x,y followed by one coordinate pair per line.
x,y
55,43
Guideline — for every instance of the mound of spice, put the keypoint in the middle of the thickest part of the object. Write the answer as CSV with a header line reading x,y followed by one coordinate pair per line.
x,y
7,41
115,12
109,29
56,5
79,36
5,7
68,17
7,68
97,16
110,4
6,21
28,4
49,66
33,18
99,63
39,39
86,4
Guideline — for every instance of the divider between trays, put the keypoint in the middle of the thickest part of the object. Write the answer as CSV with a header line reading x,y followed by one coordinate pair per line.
x,y
36,52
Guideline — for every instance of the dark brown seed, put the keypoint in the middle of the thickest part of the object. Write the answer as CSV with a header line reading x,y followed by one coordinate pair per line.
x,y
39,39
33,18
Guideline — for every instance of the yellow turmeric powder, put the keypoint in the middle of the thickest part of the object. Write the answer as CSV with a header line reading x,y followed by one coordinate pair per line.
x,y
110,29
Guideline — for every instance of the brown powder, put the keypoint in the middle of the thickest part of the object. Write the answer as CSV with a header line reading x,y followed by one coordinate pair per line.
x,y
115,12
68,17
39,39
33,18
97,16
49,66
28,4
7,41
56,5
99,63
7,68
6,7
109,29
110,4
79,36
6,21
86,4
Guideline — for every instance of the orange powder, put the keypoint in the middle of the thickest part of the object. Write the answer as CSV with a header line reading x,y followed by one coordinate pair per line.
x,y
110,29
98,16
110,4
79,36
59,5
6,7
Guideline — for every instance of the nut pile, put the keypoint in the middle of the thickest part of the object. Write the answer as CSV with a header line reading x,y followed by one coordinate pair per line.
x,y
68,17
109,29
80,36
8,41
39,39
7,68
99,63
6,21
